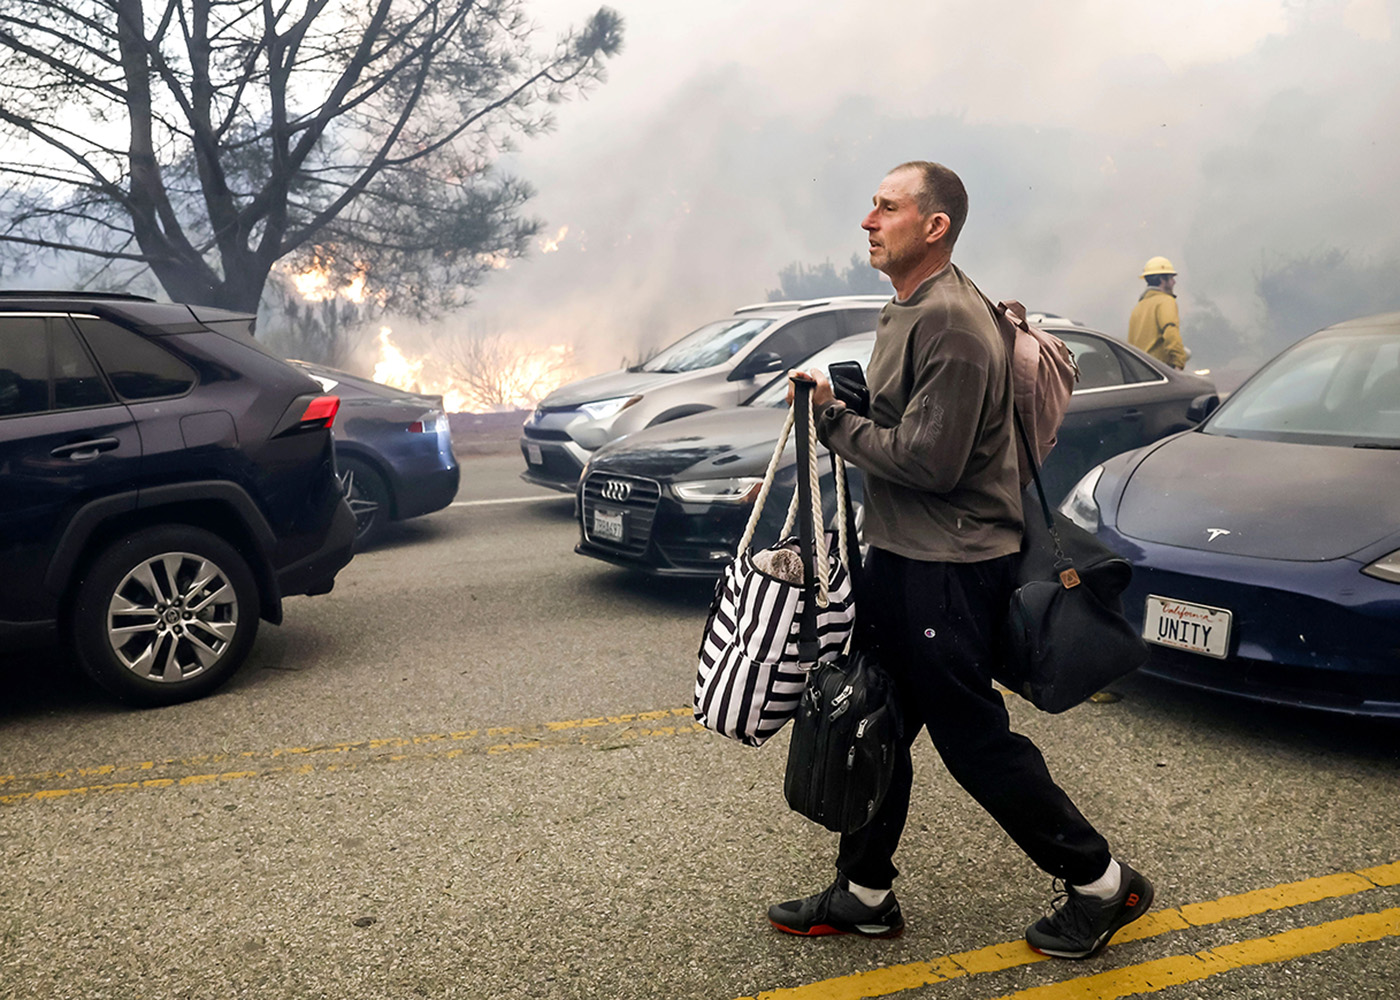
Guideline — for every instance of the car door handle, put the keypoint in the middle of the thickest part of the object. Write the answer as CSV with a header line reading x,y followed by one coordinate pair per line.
x,y
85,451
1132,414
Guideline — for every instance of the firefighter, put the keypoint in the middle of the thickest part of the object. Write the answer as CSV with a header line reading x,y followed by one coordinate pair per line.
x,y
1155,326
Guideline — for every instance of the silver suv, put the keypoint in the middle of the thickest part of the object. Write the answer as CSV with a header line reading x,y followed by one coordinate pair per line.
x,y
719,365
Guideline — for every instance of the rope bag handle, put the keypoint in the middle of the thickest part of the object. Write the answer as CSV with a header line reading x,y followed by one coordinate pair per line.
x,y
813,472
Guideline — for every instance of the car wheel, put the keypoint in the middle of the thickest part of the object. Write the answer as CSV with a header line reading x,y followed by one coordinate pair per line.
x,y
165,615
369,499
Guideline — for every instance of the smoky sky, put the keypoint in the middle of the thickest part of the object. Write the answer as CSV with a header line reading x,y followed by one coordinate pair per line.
x,y
1236,139
1253,142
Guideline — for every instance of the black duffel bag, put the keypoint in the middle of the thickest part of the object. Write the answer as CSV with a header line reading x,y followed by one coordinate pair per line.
x,y
844,739
1065,636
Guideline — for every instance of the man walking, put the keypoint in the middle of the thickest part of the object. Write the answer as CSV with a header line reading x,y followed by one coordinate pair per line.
x,y
943,520
1155,326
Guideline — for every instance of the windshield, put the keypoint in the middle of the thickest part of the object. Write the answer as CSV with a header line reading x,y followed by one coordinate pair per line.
x,y
712,344
851,349
1341,389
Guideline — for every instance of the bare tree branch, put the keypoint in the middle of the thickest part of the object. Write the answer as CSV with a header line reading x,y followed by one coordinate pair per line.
x,y
274,133
495,372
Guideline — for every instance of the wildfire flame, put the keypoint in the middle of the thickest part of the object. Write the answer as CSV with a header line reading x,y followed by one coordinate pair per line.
x,y
491,374
548,245
314,285
515,380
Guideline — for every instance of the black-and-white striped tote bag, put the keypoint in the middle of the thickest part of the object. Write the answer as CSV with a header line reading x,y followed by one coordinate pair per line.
x,y
750,679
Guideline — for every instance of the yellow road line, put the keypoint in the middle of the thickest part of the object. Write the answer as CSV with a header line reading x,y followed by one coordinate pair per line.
x,y
604,732
1150,977
1013,954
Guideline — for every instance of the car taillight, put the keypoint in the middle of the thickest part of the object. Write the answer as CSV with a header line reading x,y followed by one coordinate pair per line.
x,y
320,412
429,423
309,412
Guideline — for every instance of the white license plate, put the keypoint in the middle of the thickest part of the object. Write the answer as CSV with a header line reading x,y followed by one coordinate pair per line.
x,y
608,525
1193,627
533,455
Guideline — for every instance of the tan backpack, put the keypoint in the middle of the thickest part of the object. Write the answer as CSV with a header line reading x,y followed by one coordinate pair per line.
x,y
1043,374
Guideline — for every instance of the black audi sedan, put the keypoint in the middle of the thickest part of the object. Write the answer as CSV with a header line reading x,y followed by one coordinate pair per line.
x,y
673,499
393,449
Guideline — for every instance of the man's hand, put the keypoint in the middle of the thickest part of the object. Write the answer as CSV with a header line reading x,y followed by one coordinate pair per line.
x,y
820,394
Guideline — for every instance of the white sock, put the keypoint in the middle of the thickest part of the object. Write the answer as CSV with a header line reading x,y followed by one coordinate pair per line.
x,y
1106,885
870,897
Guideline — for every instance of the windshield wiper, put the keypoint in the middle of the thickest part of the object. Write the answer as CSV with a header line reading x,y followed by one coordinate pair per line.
x,y
1377,445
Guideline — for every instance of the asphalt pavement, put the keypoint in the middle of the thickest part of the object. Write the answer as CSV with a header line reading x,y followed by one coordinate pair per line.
x,y
470,771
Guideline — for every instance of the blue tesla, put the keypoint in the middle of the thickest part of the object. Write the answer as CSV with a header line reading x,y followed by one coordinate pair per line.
x,y
1266,541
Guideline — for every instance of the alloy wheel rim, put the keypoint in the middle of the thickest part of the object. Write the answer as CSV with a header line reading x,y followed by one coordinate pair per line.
x,y
172,617
364,509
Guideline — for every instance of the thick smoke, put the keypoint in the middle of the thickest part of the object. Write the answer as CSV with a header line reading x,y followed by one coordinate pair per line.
x,y
1241,161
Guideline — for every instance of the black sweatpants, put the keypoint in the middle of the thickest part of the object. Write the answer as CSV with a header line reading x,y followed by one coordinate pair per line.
x,y
936,626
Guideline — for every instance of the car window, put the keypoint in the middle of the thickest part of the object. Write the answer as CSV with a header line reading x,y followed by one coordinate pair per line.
x,y
851,349
712,344
43,367
1339,389
1099,367
799,339
1137,369
861,320
137,368
24,365
76,381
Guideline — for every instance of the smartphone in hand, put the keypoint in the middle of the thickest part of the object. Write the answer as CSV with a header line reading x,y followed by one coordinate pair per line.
x,y
848,384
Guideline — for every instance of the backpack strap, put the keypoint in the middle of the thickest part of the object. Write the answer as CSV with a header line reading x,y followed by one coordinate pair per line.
x,y
1064,565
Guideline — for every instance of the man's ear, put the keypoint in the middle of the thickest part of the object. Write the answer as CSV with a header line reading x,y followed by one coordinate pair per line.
x,y
936,227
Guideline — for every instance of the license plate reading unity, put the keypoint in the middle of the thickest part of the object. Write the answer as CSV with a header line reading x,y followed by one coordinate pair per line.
x,y
1193,627
608,525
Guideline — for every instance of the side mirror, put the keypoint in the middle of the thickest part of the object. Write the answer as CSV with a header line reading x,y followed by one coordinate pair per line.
x,y
1202,407
756,364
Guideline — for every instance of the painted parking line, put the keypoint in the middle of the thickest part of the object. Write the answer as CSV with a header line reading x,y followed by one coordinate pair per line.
x,y
1013,954
1151,977
488,503
604,732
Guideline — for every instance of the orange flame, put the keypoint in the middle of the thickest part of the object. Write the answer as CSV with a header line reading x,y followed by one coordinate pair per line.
x,y
517,380
314,284
551,244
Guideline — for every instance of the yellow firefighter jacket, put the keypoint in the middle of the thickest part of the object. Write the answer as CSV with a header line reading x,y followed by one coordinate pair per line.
x,y
1155,328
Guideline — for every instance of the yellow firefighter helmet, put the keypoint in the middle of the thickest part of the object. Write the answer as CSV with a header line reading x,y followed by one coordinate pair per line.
x,y
1158,265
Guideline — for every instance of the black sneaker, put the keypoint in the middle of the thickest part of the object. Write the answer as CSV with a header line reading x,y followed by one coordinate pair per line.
x,y
1081,925
837,911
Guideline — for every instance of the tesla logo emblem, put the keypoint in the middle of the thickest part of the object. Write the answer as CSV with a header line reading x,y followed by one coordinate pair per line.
x,y
616,489
1215,533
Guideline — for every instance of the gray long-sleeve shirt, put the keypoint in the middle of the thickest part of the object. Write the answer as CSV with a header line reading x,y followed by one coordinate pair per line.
x,y
938,453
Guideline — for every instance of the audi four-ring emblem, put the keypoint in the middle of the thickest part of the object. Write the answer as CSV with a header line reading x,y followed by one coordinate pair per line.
x,y
616,489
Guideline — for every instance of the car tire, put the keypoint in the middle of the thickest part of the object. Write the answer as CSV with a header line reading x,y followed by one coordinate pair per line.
x,y
165,615
369,499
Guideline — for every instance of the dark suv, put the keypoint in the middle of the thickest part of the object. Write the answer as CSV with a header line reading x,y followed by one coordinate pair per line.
x,y
164,483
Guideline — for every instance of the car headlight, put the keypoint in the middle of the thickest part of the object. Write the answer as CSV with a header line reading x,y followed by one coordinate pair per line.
x,y
743,489
1387,568
1079,505
607,407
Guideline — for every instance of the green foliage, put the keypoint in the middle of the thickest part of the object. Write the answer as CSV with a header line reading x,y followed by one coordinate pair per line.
x,y
801,281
